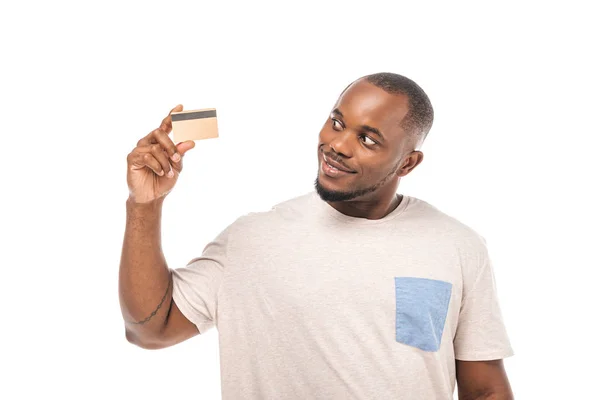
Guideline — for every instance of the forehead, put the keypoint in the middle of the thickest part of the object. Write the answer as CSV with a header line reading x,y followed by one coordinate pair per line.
x,y
365,104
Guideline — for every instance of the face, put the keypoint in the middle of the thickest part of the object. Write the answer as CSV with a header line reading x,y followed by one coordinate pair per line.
x,y
363,135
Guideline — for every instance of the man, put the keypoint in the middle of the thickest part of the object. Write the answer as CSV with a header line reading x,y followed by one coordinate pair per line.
x,y
351,291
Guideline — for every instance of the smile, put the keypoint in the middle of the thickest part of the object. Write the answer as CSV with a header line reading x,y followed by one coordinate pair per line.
x,y
332,171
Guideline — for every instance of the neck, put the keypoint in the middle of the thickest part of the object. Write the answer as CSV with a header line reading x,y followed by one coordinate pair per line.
x,y
368,208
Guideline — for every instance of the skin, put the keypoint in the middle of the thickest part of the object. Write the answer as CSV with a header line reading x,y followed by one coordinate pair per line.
x,y
478,380
378,164
370,192
153,320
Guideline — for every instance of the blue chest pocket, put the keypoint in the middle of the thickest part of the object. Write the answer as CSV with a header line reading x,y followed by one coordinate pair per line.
x,y
421,310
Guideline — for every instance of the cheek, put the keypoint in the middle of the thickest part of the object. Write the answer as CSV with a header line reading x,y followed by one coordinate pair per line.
x,y
324,138
374,172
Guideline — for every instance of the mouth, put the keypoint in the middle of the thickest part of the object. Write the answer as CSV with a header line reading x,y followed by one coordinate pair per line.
x,y
335,165
333,169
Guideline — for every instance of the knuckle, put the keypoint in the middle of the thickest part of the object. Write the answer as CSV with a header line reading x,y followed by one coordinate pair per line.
x,y
158,132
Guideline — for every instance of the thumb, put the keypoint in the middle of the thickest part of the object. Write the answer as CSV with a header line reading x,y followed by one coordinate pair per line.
x,y
183,147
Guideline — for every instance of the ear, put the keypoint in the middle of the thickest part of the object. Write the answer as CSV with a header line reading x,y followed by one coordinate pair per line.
x,y
410,162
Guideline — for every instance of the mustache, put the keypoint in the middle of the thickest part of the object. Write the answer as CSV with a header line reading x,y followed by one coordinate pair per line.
x,y
333,157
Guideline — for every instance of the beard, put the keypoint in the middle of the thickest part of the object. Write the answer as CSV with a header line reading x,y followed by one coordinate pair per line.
x,y
337,195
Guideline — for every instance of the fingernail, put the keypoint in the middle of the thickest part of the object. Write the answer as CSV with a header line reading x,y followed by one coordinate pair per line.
x,y
170,174
162,173
176,157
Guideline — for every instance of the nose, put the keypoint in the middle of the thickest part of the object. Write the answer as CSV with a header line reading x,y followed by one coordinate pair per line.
x,y
340,144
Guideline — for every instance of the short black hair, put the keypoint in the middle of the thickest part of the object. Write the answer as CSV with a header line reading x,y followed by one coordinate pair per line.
x,y
419,119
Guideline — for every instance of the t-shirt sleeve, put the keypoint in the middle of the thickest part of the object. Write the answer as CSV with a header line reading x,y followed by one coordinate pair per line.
x,y
481,333
196,286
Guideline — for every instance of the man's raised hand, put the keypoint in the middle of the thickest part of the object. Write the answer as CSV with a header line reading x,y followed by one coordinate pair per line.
x,y
154,165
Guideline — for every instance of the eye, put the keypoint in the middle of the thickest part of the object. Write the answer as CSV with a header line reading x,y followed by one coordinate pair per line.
x,y
374,142
339,124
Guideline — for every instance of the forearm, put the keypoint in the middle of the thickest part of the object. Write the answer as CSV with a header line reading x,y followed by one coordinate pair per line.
x,y
144,277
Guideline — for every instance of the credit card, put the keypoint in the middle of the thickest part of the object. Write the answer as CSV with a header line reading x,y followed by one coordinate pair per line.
x,y
194,125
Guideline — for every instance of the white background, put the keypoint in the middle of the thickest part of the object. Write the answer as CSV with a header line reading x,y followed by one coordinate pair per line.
x,y
512,153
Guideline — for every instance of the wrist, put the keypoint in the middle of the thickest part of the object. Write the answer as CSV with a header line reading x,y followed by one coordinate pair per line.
x,y
144,207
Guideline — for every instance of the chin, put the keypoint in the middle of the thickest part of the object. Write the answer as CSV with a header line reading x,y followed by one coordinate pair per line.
x,y
332,195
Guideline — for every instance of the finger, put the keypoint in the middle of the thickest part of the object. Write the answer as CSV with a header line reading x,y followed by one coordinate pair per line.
x,y
145,159
145,141
166,123
160,155
165,126
161,137
183,147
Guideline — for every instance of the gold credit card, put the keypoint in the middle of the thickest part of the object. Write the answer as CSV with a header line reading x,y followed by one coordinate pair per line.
x,y
194,125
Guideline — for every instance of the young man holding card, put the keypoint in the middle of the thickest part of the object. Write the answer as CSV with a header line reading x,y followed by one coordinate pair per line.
x,y
349,291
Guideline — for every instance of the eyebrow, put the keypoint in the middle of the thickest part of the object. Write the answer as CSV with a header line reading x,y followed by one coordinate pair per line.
x,y
367,128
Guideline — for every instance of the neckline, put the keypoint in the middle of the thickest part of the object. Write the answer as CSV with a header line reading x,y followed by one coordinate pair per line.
x,y
329,211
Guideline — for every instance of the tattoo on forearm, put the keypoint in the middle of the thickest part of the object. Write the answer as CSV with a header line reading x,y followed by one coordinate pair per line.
x,y
157,308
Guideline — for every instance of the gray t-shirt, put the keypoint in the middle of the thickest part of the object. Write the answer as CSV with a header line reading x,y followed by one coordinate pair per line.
x,y
310,303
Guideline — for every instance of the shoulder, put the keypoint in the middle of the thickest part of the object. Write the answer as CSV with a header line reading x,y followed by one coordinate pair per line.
x,y
445,226
294,208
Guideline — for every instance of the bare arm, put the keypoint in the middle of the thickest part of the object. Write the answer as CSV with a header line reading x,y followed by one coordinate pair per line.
x,y
152,319
144,278
482,380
